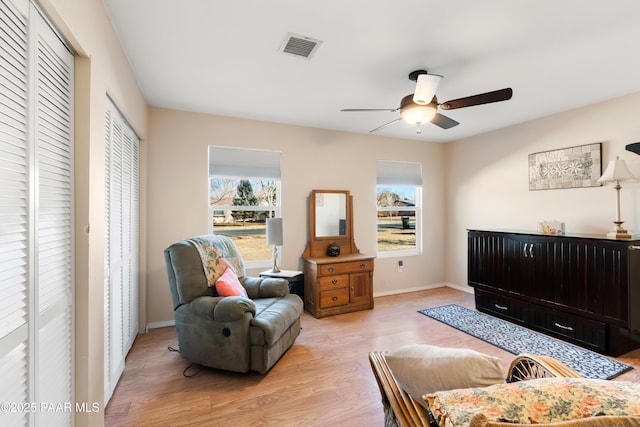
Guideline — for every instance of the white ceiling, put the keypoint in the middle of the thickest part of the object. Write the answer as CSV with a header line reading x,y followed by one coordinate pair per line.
x,y
222,57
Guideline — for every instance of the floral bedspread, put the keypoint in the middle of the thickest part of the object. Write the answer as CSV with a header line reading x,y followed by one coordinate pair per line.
x,y
535,401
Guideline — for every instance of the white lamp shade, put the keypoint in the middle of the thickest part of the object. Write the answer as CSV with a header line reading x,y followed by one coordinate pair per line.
x,y
617,170
416,114
274,231
426,87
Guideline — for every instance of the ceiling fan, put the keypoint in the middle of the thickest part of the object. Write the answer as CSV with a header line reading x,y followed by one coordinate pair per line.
x,y
422,105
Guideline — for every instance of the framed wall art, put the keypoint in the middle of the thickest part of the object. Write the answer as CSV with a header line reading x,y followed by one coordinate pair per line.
x,y
571,167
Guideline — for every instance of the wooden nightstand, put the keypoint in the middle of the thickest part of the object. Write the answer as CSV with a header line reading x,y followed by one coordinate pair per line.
x,y
295,278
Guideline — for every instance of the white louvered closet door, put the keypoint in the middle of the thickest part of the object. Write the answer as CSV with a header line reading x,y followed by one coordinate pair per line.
x,y
121,245
36,220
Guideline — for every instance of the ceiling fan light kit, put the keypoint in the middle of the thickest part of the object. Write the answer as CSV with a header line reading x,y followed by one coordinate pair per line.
x,y
422,105
426,87
416,113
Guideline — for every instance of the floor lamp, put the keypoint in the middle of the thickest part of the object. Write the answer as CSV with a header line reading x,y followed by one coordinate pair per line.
x,y
274,238
617,171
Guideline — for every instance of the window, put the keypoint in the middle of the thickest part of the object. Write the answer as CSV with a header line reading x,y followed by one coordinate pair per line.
x,y
398,208
244,190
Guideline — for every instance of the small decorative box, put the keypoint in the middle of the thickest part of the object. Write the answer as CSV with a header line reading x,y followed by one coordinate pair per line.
x,y
551,227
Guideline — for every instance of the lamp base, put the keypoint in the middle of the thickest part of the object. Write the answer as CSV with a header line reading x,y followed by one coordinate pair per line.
x,y
618,232
275,268
616,235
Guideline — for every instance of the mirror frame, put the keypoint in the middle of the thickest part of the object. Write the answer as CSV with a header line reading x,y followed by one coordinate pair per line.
x,y
313,206
317,246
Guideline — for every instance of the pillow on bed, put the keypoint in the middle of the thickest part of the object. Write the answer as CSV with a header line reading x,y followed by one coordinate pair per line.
x,y
421,368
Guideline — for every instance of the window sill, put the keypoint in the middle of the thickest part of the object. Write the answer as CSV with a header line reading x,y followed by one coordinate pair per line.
x,y
397,254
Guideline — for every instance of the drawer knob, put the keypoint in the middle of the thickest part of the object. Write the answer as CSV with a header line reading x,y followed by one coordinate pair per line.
x,y
330,269
334,298
566,328
334,281
501,307
363,265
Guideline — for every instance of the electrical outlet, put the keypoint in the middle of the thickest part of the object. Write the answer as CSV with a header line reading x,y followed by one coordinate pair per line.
x,y
400,266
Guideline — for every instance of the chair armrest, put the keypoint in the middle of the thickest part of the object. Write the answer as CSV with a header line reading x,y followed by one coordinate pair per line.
x,y
398,405
265,287
222,309
530,366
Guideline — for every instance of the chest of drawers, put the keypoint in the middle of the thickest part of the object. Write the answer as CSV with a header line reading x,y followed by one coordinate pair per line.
x,y
335,285
580,288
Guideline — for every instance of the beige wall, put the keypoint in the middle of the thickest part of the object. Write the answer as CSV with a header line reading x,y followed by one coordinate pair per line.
x,y
311,159
487,178
101,69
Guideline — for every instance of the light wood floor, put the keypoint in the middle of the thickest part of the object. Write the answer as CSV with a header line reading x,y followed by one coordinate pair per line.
x,y
323,380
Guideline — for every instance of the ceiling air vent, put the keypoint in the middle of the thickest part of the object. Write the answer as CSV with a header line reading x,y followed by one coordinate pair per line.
x,y
300,46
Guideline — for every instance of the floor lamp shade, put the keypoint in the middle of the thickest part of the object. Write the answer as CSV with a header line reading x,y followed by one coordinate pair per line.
x,y
274,231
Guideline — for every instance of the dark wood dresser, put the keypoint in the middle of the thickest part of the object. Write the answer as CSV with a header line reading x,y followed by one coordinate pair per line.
x,y
584,289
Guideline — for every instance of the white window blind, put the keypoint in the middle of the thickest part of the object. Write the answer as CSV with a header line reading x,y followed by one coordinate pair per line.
x,y
398,173
121,245
36,216
244,163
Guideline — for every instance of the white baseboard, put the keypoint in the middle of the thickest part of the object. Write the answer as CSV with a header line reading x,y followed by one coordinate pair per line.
x,y
467,289
163,324
405,290
463,288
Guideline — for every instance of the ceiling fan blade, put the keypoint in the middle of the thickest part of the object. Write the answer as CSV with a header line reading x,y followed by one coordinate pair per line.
x,y
385,125
392,110
443,121
634,148
483,98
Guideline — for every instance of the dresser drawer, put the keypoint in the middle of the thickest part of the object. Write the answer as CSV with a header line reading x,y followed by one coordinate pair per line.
x,y
333,282
501,306
334,297
585,332
345,267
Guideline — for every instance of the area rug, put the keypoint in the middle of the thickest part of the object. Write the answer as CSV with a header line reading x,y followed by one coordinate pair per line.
x,y
517,340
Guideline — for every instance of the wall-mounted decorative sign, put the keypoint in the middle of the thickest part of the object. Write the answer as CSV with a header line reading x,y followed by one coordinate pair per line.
x,y
571,167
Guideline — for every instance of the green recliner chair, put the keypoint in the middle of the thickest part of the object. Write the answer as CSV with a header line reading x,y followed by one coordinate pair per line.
x,y
231,333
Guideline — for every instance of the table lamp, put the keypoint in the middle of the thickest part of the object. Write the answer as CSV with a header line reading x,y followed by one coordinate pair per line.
x,y
274,238
617,171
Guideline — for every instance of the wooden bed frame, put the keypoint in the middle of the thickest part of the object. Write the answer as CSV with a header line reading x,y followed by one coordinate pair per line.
x,y
403,411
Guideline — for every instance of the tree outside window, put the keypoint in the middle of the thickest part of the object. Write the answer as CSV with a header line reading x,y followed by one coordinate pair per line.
x,y
238,208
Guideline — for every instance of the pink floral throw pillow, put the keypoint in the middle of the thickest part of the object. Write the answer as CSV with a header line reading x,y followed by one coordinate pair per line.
x,y
228,285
